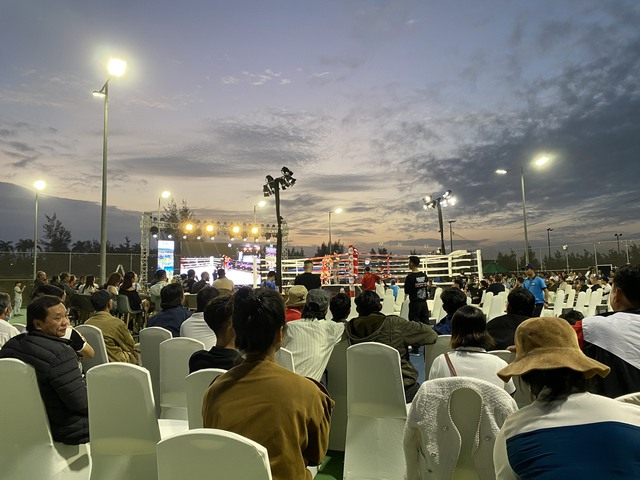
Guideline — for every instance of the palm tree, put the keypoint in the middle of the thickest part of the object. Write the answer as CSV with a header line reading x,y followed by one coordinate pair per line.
x,y
6,246
25,246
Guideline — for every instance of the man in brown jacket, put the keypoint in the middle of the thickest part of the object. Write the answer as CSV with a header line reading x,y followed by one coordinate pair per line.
x,y
117,338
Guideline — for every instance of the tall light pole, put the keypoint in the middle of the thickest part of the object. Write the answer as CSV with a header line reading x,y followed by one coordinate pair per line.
x,y
626,247
501,171
166,194
566,254
260,204
438,203
549,230
272,187
115,68
451,235
255,232
618,235
337,210
39,185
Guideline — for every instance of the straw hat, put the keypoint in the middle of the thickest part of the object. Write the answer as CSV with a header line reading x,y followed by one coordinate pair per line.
x,y
548,343
297,296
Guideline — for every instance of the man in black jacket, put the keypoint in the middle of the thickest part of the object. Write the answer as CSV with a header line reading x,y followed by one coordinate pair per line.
x,y
520,304
62,387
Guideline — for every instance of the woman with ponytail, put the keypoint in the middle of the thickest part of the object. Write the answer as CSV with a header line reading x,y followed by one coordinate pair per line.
x,y
288,414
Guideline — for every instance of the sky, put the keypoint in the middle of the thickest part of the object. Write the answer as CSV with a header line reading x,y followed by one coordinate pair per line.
x,y
372,104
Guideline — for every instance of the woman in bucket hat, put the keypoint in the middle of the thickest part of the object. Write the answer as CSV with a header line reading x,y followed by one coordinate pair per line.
x,y
566,432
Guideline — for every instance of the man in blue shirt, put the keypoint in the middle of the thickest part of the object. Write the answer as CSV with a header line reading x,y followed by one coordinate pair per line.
x,y
537,287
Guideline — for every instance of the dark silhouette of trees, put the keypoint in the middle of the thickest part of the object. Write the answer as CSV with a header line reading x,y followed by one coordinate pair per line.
x,y
56,237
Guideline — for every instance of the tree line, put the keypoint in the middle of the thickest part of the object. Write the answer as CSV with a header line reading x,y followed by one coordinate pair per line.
x,y
57,238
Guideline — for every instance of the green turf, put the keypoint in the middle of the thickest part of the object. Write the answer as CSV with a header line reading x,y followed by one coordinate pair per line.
x,y
332,466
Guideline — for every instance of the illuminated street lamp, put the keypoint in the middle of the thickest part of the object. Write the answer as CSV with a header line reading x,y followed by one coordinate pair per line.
x,y
166,194
501,171
39,185
260,204
116,68
338,211
437,203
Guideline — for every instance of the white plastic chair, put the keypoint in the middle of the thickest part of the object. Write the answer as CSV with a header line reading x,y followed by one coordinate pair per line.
x,y
93,336
27,450
581,302
353,313
404,310
337,386
174,367
486,304
20,326
376,413
464,408
197,384
212,453
197,329
633,398
431,352
123,425
284,358
570,298
558,305
399,298
498,306
594,302
454,405
506,355
388,303
437,312
150,340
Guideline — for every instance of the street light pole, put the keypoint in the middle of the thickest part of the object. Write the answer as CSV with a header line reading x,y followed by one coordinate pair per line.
x,y
524,219
618,235
39,185
260,204
566,254
337,210
116,68
549,230
103,205
501,171
166,194
451,235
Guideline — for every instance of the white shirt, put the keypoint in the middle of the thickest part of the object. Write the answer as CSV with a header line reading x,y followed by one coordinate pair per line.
x,y
311,343
472,362
195,327
7,331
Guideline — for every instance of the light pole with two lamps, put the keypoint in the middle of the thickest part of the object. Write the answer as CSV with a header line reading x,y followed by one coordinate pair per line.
x,y
618,235
272,187
501,171
116,68
439,202
337,211
39,185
